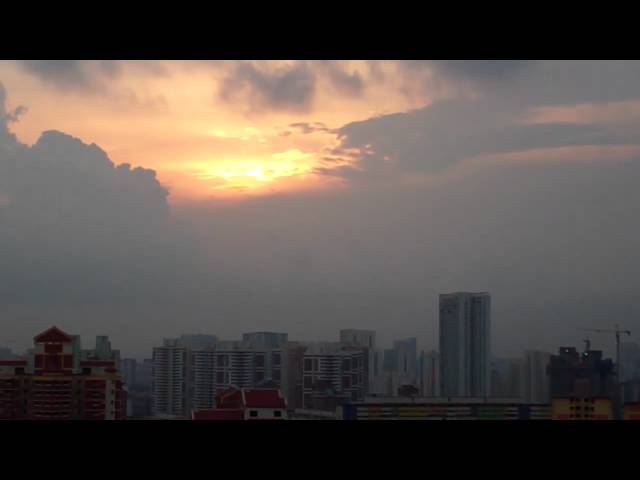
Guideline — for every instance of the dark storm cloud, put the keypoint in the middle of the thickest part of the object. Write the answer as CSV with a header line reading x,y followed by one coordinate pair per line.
x,y
287,88
72,74
543,82
436,138
77,228
347,83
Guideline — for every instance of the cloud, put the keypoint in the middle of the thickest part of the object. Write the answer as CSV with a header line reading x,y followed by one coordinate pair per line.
x,y
72,75
346,83
482,70
441,136
8,141
76,228
88,76
306,127
285,88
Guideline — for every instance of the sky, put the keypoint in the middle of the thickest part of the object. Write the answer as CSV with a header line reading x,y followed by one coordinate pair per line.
x,y
145,199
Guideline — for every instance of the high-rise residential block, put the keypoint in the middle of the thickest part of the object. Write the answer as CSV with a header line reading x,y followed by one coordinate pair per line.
x,y
55,385
465,344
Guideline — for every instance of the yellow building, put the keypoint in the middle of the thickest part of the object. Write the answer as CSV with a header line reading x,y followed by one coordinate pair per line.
x,y
632,411
581,409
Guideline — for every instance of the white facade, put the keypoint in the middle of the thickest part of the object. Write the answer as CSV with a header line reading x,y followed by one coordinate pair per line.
x,y
171,380
339,367
365,339
259,413
465,344
237,364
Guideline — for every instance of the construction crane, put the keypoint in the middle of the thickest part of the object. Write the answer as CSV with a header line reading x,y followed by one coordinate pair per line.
x,y
617,331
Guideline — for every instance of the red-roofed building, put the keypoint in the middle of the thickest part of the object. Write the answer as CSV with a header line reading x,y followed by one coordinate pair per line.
x,y
57,385
246,404
219,414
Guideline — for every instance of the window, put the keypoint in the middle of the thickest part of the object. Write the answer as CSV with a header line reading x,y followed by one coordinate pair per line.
x,y
277,413
346,382
346,364
308,381
275,374
222,360
220,377
259,361
276,359
253,413
259,376
308,365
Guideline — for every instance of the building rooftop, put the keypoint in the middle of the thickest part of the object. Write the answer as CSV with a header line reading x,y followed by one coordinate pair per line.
x,y
263,398
53,334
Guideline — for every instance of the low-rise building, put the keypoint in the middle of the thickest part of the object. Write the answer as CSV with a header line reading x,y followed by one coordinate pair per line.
x,y
463,408
246,404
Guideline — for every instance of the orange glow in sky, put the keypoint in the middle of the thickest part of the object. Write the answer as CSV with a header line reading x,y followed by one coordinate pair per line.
x,y
173,118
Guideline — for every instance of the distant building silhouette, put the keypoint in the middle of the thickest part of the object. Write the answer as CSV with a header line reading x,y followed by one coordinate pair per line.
x,y
578,374
535,380
465,344
506,378
430,374
364,339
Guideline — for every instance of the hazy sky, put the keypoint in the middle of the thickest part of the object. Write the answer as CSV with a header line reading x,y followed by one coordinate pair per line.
x,y
308,196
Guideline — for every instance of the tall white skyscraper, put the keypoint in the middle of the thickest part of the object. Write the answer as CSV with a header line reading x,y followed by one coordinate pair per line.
x,y
171,380
465,344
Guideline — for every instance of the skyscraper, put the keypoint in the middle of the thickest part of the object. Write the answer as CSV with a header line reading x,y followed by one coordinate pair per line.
x,y
465,344
171,380
535,378
367,340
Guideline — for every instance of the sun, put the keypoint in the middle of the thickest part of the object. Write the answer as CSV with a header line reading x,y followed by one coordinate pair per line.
x,y
251,173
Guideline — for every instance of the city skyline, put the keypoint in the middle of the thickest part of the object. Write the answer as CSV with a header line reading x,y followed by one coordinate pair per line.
x,y
272,377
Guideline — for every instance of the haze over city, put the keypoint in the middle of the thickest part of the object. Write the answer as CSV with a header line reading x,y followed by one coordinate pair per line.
x,y
146,199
